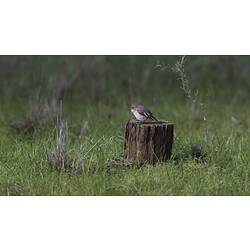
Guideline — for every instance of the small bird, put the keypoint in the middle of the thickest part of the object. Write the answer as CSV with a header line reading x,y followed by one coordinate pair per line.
x,y
141,113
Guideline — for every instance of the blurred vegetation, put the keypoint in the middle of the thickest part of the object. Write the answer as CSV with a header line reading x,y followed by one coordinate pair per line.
x,y
107,78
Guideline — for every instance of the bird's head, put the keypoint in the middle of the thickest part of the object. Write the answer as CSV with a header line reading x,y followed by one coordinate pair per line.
x,y
134,106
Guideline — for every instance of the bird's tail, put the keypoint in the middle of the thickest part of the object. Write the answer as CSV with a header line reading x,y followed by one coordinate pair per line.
x,y
153,118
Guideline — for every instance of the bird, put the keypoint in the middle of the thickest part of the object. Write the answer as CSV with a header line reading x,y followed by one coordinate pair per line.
x,y
142,113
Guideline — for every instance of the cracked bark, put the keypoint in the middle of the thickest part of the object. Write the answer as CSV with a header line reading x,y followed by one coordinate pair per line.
x,y
148,142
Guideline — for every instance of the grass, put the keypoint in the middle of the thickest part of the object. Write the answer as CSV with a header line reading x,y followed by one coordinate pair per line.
x,y
209,158
26,169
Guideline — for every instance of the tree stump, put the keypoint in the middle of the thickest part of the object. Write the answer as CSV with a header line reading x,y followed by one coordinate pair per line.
x,y
148,142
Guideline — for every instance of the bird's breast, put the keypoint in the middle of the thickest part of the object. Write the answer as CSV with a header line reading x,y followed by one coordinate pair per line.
x,y
139,116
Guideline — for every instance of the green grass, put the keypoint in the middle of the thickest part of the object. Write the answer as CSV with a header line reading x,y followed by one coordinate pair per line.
x,y
100,98
225,169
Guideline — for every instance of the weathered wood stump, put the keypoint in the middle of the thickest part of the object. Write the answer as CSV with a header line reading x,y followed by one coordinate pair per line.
x,y
148,142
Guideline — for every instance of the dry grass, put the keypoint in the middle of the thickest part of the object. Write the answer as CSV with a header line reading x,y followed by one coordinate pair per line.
x,y
42,113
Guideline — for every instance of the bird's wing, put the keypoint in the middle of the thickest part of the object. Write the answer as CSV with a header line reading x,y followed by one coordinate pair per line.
x,y
152,117
147,114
